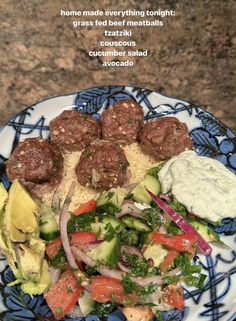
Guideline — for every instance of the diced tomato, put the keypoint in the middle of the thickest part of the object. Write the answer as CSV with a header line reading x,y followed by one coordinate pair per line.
x,y
81,238
174,296
169,259
86,207
105,289
63,295
53,247
77,238
180,242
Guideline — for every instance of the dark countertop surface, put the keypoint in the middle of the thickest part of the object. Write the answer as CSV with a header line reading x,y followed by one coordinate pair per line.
x,y
192,57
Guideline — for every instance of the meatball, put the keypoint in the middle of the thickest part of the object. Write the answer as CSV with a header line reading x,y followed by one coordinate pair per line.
x,y
35,161
102,165
164,138
73,131
122,122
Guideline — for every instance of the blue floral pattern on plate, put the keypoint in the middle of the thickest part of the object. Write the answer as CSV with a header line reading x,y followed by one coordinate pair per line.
x,y
211,138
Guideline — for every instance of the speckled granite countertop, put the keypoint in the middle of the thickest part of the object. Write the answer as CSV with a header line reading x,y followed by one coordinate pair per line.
x,y
193,57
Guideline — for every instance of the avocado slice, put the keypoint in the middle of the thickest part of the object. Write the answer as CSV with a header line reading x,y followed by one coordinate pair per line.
x,y
3,199
36,288
20,214
3,196
14,266
30,259
107,252
3,240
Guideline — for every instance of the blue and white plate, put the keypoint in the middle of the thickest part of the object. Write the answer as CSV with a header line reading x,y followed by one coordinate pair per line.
x,y
217,300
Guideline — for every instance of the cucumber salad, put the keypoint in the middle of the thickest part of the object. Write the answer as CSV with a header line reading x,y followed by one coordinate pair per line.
x,y
109,213
124,249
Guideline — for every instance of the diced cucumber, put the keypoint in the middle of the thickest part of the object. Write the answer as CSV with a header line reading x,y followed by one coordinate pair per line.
x,y
135,223
144,239
114,198
49,231
205,231
86,303
100,227
107,252
116,224
155,252
153,171
129,237
48,226
139,192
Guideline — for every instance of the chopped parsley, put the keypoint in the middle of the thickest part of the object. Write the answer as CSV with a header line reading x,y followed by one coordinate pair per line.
x,y
42,221
171,279
109,195
154,171
123,165
191,273
178,207
81,222
15,165
131,286
91,270
56,163
85,116
70,289
152,216
159,316
129,237
103,309
131,121
59,310
79,281
107,208
110,232
59,259
138,266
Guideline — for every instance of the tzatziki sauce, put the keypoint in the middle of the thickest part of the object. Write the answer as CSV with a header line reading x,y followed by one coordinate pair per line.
x,y
204,185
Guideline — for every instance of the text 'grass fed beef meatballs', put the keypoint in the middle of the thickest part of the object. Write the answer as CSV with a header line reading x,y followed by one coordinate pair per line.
x,y
102,165
35,160
73,131
122,122
164,138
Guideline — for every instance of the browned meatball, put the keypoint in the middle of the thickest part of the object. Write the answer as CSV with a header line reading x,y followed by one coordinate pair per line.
x,y
164,137
36,162
73,131
122,122
102,165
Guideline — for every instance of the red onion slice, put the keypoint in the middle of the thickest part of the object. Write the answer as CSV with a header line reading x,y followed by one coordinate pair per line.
x,y
117,274
122,267
180,221
76,312
129,249
129,187
162,229
128,207
165,197
56,200
64,236
81,256
55,274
